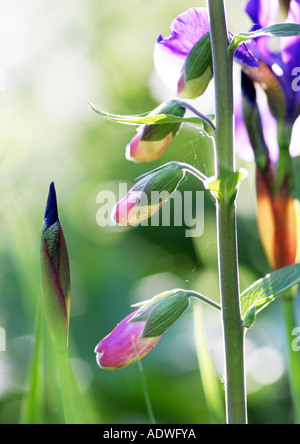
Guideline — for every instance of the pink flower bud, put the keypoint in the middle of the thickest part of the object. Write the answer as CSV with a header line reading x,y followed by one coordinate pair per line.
x,y
140,150
124,345
148,195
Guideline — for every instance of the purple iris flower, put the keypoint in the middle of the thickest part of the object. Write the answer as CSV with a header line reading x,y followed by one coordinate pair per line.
x,y
276,75
187,30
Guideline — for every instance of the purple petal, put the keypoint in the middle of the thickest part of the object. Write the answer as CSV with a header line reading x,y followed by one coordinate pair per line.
x,y
262,12
244,57
243,145
170,53
290,52
242,141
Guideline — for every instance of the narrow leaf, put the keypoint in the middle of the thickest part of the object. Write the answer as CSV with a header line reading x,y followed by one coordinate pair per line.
x,y
280,30
154,119
265,291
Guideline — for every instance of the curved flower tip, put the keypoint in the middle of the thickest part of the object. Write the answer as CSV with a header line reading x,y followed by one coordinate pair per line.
x,y
124,345
124,213
148,195
151,141
139,150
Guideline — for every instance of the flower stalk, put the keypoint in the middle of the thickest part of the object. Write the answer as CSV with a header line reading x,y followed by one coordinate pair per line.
x,y
226,220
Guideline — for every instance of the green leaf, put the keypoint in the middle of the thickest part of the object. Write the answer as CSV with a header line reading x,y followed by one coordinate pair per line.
x,y
280,30
155,119
265,291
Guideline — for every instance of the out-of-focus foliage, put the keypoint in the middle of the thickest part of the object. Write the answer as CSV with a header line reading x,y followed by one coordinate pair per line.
x,y
56,57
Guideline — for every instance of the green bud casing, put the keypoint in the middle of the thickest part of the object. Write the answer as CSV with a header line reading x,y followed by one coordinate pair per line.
x,y
55,272
197,71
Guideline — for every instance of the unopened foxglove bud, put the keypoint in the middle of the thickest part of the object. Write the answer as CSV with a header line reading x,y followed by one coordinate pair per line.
x,y
55,274
151,141
148,195
124,345
162,311
136,335
197,71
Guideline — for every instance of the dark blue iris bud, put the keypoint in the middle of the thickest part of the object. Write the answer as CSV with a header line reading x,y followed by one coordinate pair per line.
x,y
51,214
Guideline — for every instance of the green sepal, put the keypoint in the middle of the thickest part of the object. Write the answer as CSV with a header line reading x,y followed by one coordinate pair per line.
x,y
225,186
197,69
199,59
161,312
164,179
156,132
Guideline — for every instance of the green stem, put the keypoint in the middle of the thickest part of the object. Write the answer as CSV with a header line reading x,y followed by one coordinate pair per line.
x,y
146,393
210,383
226,220
199,296
288,308
32,409
197,113
68,389
194,171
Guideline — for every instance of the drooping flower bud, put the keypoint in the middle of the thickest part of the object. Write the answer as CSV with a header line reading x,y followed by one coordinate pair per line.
x,y
197,70
55,274
124,345
151,141
136,335
148,195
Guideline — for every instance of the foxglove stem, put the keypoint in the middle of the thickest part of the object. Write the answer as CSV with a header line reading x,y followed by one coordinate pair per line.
x,y
194,171
197,113
226,220
204,299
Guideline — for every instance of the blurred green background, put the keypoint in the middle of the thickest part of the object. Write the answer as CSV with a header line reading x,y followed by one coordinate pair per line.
x,y
55,57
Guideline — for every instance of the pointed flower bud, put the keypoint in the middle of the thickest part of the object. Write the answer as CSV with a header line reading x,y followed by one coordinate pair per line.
x,y
136,335
197,70
148,195
151,141
55,274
